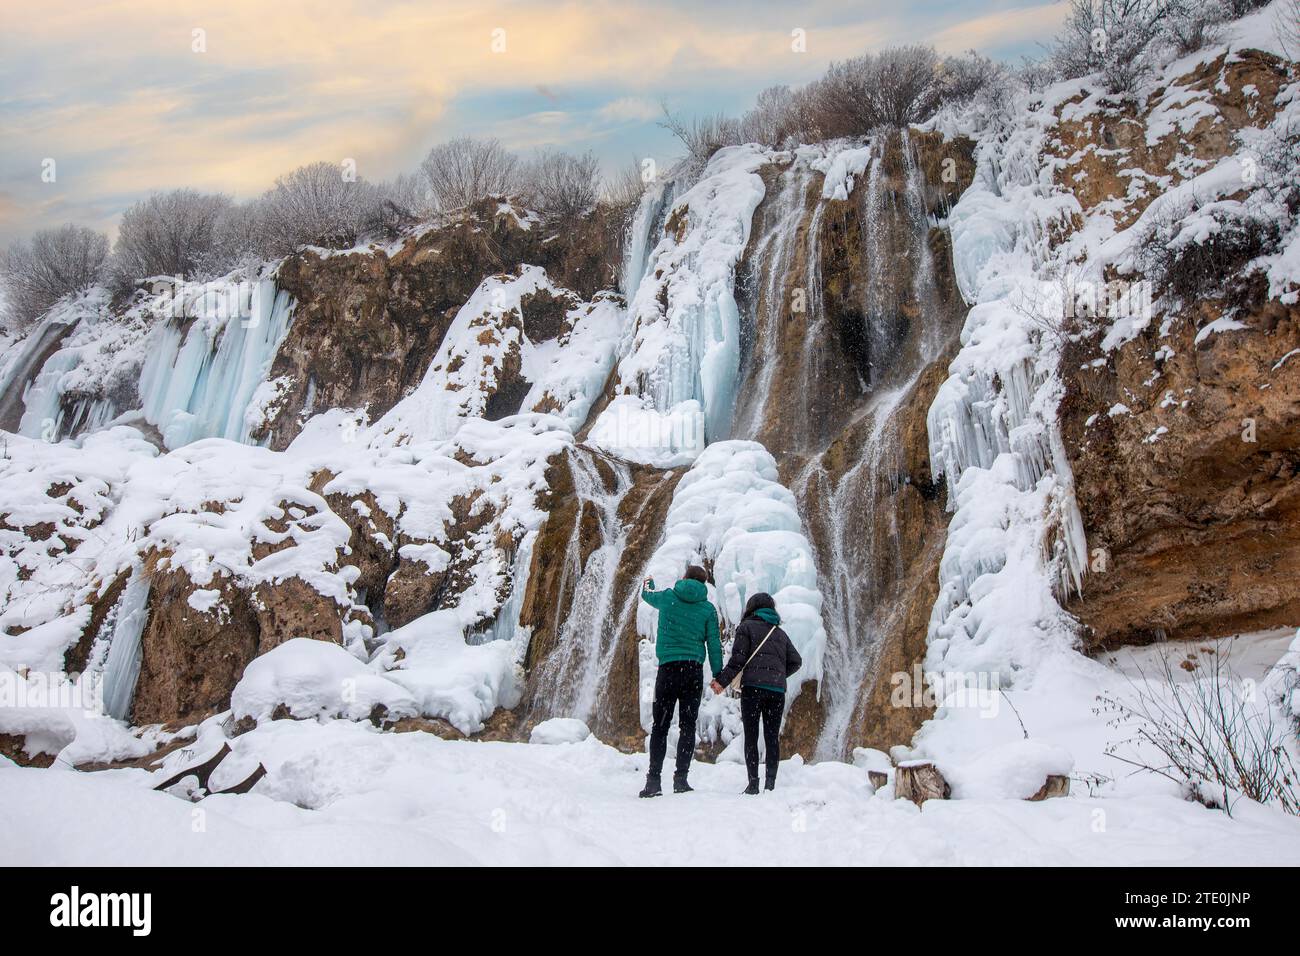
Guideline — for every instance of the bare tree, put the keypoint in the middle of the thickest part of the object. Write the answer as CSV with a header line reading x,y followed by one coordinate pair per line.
x,y
237,238
896,87
1193,24
702,135
56,263
170,233
843,98
561,186
1112,37
316,204
962,78
465,170
1288,28
771,119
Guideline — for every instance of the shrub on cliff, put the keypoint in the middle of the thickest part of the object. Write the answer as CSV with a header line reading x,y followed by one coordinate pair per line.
x,y
702,135
1116,38
1193,252
57,262
561,186
317,204
169,233
464,170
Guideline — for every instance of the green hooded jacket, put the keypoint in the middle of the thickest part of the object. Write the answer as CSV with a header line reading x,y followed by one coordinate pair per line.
x,y
688,624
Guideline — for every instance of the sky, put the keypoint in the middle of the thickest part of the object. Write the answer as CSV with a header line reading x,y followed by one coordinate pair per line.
x,y
104,101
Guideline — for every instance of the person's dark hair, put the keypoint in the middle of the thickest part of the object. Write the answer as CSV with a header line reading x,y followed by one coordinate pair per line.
x,y
757,602
696,573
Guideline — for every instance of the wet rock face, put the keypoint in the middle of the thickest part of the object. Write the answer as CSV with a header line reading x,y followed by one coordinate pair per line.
x,y
367,325
1189,499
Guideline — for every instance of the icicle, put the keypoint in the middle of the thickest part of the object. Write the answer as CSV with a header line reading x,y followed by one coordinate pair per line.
x,y
122,665
200,384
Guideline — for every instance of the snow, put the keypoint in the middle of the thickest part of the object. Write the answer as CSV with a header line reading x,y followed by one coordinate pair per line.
x,y
488,333
344,794
314,679
631,427
841,167
448,678
1015,699
559,730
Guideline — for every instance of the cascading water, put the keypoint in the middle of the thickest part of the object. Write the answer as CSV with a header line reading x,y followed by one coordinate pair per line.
x,y
570,679
860,557
776,253
797,386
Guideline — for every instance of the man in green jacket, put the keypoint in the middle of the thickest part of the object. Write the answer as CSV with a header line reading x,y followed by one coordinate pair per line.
x,y
688,626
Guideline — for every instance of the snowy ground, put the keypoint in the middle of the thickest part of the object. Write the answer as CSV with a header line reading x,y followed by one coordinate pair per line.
x,y
342,793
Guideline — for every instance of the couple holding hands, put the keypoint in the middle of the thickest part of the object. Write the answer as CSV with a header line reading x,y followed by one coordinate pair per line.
x,y
762,657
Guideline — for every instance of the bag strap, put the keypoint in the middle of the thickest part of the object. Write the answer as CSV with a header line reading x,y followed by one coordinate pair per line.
x,y
740,673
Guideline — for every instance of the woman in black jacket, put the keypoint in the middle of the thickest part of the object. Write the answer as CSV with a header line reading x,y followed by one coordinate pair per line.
x,y
766,656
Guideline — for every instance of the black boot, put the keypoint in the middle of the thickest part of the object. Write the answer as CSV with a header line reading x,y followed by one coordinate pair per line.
x,y
771,780
752,789
680,785
652,786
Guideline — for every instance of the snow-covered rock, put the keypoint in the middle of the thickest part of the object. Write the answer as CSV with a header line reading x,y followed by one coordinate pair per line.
x,y
559,730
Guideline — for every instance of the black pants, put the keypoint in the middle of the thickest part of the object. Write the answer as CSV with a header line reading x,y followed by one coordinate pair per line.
x,y
767,704
678,682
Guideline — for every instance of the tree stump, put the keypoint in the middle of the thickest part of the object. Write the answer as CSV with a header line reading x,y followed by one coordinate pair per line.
x,y
1057,785
878,778
919,781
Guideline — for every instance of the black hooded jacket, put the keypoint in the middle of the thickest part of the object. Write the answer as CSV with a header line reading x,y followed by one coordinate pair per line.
x,y
776,660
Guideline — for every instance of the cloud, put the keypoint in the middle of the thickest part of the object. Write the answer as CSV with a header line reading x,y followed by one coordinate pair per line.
x,y
117,94
630,108
996,32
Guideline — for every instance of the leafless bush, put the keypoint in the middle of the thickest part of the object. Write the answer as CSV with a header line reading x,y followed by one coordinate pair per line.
x,y
1191,269
623,190
1207,734
561,186
1067,309
410,192
316,204
1288,27
778,115
896,87
237,238
962,78
395,206
55,263
703,135
1113,37
170,233
462,171
1239,8
1193,24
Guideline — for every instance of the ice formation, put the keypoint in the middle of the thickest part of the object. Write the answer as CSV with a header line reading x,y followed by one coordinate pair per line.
x,y
682,343
731,512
